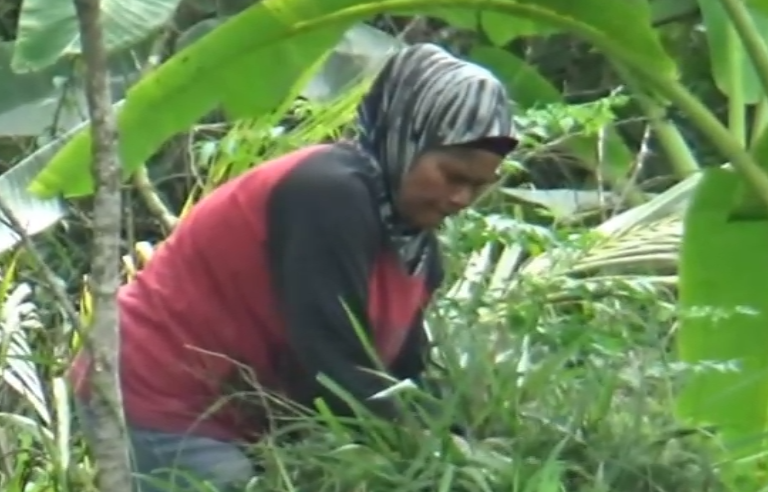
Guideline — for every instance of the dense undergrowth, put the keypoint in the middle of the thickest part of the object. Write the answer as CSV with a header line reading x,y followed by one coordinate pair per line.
x,y
563,385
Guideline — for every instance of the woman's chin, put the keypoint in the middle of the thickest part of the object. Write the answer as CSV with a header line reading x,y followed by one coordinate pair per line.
x,y
430,221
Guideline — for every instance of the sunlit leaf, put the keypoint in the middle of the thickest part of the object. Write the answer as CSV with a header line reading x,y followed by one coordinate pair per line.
x,y
724,316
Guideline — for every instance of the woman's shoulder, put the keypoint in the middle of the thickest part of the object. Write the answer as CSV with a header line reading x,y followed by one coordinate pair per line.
x,y
328,197
336,172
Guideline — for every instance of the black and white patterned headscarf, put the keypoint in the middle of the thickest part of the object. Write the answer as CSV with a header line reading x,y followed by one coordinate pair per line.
x,y
422,99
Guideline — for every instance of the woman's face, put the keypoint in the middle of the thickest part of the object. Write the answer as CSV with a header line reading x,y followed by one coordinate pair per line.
x,y
442,183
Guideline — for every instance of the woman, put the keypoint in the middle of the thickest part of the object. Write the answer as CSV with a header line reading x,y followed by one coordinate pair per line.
x,y
259,281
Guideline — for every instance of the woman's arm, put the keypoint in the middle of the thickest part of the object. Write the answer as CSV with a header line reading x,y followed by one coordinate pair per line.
x,y
323,237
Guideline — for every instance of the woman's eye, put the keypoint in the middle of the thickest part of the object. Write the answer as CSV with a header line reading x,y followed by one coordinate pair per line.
x,y
456,179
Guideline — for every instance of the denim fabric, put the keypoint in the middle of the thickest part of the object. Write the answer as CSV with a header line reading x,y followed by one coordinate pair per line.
x,y
179,463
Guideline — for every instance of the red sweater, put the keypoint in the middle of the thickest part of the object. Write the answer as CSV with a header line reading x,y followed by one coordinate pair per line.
x,y
248,288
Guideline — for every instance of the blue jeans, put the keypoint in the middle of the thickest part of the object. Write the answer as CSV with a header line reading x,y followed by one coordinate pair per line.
x,y
165,462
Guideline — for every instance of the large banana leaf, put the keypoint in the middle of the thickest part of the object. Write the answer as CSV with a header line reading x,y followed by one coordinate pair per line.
x,y
723,267
723,333
250,64
500,29
48,31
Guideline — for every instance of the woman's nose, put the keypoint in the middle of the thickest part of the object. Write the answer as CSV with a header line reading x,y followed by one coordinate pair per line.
x,y
462,197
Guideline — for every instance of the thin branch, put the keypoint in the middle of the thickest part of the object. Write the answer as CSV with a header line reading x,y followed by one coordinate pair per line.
x,y
643,154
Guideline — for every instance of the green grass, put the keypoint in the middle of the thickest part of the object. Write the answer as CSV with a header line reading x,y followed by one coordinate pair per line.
x,y
592,412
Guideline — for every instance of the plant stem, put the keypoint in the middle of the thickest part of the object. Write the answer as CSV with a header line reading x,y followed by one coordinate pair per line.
x,y
712,128
759,120
674,144
753,42
737,110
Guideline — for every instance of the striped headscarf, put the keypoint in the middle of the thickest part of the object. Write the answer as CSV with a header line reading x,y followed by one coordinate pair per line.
x,y
424,98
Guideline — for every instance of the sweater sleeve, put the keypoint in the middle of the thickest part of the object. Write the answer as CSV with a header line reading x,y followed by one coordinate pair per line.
x,y
323,238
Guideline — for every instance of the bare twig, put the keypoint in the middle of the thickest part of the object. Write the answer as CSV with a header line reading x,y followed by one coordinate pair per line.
x,y
102,341
642,156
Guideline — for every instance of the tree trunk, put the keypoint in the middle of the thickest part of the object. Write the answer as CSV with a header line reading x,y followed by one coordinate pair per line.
x,y
102,341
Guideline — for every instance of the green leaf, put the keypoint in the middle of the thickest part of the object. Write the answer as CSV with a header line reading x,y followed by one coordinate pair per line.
x,y
468,19
727,52
197,31
48,30
500,29
722,293
250,63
